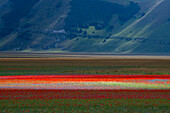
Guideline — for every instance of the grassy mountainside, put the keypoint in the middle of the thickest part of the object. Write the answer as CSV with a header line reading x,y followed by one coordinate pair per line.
x,y
152,29
117,26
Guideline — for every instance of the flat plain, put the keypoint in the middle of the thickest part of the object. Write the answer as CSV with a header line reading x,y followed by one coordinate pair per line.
x,y
84,100
69,65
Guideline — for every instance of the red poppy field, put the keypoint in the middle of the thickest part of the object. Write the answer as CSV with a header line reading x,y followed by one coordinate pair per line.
x,y
25,89
84,101
69,92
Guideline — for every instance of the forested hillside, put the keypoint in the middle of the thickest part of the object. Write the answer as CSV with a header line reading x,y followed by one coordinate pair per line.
x,y
117,26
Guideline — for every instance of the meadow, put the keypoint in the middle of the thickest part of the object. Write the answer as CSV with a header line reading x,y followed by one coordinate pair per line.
x,y
145,95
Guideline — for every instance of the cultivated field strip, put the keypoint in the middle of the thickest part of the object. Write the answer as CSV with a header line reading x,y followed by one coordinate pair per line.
x,y
85,66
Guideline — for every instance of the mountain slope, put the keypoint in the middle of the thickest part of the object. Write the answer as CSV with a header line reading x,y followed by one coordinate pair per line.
x,y
117,26
152,29
35,28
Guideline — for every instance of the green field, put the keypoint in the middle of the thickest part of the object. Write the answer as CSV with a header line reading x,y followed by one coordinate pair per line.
x,y
86,105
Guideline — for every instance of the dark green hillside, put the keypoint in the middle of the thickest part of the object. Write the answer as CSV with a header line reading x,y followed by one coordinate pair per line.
x,y
97,13
31,24
117,26
19,9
